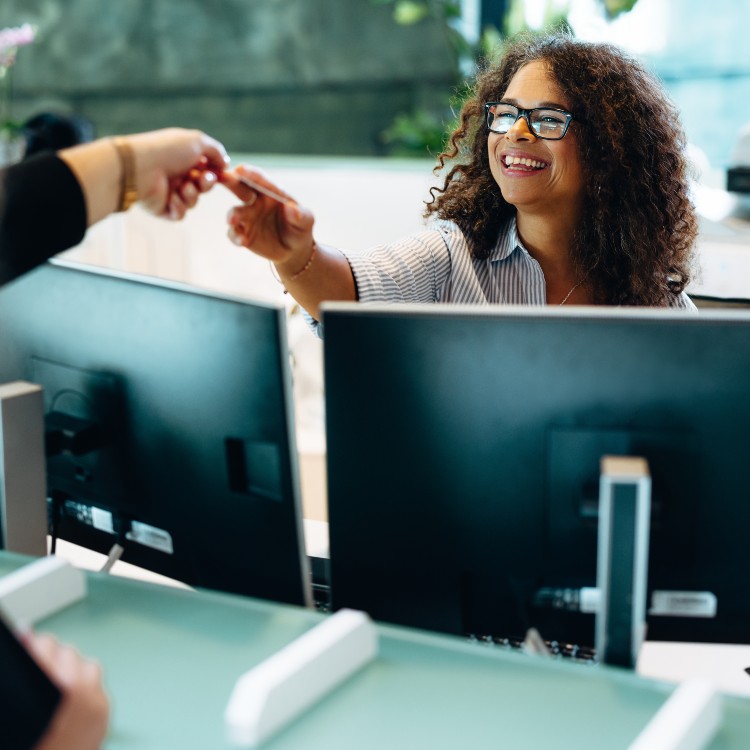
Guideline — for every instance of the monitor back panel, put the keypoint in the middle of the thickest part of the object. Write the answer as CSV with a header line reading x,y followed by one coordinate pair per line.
x,y
463,460
189,396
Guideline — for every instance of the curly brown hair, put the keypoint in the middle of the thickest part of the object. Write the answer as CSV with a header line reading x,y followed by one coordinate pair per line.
x,y
635,242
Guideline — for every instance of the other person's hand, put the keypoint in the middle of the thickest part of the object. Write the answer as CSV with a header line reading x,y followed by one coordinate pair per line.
x,y
173,167
80,722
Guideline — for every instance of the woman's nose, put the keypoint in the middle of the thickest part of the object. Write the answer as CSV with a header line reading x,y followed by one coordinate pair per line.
x,y
520,131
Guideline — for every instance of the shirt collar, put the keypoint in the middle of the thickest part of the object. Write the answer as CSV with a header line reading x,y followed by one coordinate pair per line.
x,y
507,243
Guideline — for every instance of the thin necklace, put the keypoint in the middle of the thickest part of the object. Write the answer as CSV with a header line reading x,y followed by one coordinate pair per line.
x,y
567,296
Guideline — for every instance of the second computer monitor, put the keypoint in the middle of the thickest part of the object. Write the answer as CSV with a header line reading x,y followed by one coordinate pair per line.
x,y
463,463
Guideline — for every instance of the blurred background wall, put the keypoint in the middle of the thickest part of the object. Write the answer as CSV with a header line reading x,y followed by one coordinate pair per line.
x,y
263,76
350,77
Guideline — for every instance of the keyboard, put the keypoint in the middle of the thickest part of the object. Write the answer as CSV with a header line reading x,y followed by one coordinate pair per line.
x,y
554,649
321,588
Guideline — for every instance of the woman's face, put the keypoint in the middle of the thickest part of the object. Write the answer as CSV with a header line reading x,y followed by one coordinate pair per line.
x,y
553,180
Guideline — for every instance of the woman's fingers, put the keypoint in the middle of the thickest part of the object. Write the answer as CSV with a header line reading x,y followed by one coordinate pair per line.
x,y
248,182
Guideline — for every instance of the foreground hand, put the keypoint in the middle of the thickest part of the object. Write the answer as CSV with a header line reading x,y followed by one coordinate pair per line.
x,y
80,721
280,232
173,167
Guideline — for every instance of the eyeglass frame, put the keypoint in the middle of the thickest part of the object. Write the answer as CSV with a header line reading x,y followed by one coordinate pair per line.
x,y
525,113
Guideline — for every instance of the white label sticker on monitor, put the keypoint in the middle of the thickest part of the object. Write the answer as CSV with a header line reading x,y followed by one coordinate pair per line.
x,y
683,604
150,536
102,520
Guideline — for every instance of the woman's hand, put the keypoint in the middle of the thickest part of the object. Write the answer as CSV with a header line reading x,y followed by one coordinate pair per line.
x,y
276,227
279,230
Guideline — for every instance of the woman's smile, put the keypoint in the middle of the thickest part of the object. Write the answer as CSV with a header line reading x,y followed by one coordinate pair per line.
x,y
517,163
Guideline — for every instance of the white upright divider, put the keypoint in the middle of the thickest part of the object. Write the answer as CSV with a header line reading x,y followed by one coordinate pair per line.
x,y
276,691
23,483
622,559
688,720
40,589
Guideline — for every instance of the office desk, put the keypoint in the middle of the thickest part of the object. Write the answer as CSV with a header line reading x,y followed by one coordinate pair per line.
x,y
171,657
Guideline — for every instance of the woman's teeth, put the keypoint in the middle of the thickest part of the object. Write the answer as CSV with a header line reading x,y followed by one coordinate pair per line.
x,y
525,162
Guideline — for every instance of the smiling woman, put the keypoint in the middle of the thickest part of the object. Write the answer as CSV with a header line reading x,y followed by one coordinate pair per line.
x,y
617,175
565,182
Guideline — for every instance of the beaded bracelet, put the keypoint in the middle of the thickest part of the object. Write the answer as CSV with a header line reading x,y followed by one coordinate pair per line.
x,y
299,273
306,266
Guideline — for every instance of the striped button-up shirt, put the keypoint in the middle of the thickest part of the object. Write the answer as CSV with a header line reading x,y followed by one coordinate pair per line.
x,y
436,265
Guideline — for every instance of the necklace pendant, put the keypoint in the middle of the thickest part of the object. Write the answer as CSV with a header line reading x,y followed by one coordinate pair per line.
x,y
573,288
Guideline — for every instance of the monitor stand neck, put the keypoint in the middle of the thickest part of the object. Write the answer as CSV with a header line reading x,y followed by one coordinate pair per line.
x,y
23,484
622,559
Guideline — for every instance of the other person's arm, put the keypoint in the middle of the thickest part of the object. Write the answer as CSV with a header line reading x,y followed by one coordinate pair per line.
x,y
48,201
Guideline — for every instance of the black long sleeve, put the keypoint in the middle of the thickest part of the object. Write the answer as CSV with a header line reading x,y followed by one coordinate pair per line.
x,y
42,213
28,699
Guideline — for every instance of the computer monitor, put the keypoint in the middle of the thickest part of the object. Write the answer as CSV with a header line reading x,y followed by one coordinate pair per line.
x,y
463,463
169,424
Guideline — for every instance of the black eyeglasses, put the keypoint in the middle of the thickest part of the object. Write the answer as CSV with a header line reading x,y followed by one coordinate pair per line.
x,y
544,122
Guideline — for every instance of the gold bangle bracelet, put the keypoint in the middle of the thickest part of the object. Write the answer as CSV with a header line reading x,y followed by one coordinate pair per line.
x,y
128,191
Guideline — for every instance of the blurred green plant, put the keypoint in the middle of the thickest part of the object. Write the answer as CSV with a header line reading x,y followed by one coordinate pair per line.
x,y
421,131
613,8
